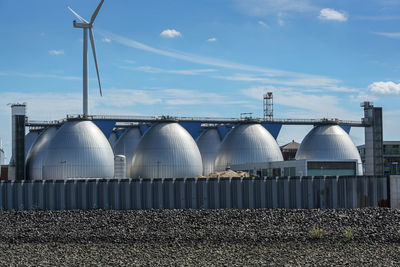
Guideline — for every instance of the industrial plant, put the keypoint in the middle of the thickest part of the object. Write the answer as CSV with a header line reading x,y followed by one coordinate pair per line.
x,y
157,148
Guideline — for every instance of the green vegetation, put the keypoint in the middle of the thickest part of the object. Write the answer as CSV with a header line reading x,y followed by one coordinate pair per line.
x,y
316,233
348,234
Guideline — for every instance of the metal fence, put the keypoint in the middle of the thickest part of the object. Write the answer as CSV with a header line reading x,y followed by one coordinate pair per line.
x,y
192,193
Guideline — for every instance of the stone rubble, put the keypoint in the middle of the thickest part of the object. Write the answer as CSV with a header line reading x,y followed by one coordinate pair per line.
x,y
199,237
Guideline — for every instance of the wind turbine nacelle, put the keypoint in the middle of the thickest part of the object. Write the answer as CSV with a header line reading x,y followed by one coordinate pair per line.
x,y
81,25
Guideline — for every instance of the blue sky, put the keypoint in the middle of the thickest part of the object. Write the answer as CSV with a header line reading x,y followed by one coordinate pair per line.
x,y
204,58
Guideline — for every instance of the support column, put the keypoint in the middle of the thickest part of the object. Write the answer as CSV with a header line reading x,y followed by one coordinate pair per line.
x,y
373,139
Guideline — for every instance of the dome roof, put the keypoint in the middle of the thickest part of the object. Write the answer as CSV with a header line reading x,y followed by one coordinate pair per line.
x,y
166,150
113,139
79,150
126,145
247,143
30,139
208,143
328,142
37,154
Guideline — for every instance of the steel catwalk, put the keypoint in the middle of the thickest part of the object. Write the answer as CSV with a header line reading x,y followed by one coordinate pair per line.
x,y
208,143
79,150
127,144
37,154
166,150
247,143
329,142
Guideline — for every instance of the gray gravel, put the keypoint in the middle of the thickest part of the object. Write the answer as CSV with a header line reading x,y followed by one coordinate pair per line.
x,y
199,237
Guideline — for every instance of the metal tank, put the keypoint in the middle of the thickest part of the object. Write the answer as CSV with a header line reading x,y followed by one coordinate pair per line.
x,y
30,139
166,150
37,154
113,139
208,143
119,167
247,143
79,150
126,145
329,142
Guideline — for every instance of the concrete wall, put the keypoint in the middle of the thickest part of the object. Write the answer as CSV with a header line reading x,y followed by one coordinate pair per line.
x,y
190,193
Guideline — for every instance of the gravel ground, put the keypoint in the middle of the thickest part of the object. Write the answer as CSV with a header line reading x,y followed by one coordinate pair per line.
x,y
200,237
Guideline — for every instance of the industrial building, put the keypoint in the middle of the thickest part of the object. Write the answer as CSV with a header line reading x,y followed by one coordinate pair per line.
x,y
165,147
90,146
391,156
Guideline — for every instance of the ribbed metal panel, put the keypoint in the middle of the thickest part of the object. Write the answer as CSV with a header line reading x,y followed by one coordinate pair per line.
x,y
79,150
113,139
37,154
247,143
126,145
166,150
208,143
329,142
203,193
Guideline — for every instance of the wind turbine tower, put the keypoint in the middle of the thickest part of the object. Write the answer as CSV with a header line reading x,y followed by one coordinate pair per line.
x,y
85,25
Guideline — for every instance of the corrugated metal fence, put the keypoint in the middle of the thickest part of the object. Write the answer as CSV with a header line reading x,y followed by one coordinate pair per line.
x,y
192,193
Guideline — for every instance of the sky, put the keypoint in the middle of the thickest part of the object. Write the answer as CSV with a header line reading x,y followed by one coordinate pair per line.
x,y
205,58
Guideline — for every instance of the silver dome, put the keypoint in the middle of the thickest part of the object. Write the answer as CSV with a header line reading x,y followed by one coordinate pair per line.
x,y
166,150
329,142
79,150
37,154
247,143
126,145
208,143
30,139
113,139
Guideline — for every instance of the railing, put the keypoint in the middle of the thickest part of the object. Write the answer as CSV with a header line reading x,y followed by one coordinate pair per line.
x,y
214,120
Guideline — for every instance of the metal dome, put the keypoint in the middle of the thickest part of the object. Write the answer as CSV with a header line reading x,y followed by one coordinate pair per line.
x,y
126,145
113,139
30,139
208,143
329,142
166,150
247,143
37,154
79,150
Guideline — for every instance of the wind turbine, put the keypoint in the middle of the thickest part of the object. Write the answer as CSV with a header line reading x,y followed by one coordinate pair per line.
x,y
85,25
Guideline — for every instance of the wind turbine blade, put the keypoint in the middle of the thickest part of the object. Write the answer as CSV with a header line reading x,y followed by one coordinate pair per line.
x,y
76,14
96,12
95,59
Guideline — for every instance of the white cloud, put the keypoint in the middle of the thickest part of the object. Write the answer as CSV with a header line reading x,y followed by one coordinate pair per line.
x,y
56,52
150,69
40,75
170,33
260,8
332,14
304,105
106,40
386,88
213,39
395,35
281,22
205,60
262,23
